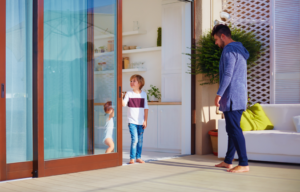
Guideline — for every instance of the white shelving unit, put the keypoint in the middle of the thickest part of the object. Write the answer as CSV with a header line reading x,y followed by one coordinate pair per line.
x,y
132,51
129,33
123,70
142,50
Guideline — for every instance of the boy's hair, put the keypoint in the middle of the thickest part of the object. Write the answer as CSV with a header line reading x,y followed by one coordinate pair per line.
x,y
140,79
221,29
107,106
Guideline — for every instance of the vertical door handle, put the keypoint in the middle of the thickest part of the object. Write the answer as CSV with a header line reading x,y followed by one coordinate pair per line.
x,y
2,90
120,92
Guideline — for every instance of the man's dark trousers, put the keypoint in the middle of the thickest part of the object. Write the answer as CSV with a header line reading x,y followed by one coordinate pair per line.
x,y
236,139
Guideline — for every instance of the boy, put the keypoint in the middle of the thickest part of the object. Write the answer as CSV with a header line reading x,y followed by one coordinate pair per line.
x,y
136,101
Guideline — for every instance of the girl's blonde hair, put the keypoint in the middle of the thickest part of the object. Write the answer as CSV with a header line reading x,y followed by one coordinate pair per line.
x,y
107,106
140,79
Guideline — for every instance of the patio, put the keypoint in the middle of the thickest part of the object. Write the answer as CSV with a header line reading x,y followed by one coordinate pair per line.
x,y
188,173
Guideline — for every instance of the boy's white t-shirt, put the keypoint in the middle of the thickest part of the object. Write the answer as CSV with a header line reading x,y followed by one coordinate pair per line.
x,y
136,103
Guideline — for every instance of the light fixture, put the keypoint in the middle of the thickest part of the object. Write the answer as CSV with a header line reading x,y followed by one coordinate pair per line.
x,y
224,16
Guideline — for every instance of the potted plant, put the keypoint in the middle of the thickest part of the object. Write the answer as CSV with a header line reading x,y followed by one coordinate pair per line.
x,y
207,54
153,94
214,140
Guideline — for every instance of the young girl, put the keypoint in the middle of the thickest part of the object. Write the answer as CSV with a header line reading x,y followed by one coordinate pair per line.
x,y
109,127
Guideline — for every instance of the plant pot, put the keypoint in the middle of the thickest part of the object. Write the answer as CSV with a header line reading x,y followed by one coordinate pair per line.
x,y
214,140
152,98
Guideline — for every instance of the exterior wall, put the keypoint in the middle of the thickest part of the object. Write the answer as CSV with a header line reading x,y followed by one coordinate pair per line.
x,y
206,118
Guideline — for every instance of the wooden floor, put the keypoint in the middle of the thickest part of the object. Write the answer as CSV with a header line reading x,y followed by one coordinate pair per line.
x,y
189,173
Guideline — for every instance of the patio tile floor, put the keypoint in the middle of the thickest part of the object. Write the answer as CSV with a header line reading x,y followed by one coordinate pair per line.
x,y
188,173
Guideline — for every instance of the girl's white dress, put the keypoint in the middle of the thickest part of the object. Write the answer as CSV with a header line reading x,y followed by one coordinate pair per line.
x,y
109,128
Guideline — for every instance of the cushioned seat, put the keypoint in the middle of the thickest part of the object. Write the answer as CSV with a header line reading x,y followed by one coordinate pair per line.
x,y
273,142
278,145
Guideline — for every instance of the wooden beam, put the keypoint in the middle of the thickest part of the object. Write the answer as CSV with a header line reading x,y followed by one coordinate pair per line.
x,y
38,88
2,94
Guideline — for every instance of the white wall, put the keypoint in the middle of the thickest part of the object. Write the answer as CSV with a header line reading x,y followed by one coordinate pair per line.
x,y
148,14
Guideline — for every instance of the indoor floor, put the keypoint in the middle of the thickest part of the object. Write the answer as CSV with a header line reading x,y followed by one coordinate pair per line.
x,y
187,173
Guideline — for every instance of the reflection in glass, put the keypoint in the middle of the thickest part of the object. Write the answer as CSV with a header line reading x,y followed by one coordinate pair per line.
x,y
65,78
79,41
105,74
18,81
109,127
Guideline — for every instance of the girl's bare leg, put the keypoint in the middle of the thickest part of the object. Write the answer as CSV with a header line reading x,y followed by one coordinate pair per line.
x,y
110,143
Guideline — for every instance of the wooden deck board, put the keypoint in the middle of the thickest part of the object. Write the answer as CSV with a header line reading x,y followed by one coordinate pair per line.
x,y
189,173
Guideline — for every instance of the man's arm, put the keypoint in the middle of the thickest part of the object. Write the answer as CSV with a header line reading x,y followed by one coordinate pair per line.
x,y
229,64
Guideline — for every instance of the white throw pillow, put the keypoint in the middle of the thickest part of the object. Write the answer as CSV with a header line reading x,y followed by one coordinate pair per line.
x,y
297,123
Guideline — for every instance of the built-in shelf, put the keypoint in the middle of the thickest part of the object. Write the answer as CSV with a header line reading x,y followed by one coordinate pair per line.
x,y
123,70
142,50
131,51
133,70
128,33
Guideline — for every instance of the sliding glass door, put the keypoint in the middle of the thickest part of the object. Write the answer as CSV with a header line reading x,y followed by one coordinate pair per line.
x,y
65,78
18,81
16,143
61,77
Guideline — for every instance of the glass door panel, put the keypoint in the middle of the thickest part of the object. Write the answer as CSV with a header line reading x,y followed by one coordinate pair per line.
x,y
19,81
70,44
105,77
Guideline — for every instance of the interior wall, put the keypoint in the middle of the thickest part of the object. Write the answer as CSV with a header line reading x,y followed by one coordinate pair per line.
x,y
149,15
206,118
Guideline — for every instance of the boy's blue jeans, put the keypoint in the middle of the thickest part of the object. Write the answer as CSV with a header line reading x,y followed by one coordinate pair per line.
x,y
136,132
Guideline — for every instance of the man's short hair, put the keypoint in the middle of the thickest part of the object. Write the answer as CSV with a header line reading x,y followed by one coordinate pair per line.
x,y
221,29
140,79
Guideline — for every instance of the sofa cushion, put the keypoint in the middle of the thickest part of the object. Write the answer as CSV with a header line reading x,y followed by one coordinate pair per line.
x,y
254,119
296,120
273,142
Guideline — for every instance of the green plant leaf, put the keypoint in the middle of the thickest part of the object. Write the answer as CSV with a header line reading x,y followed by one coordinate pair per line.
x,y
207,55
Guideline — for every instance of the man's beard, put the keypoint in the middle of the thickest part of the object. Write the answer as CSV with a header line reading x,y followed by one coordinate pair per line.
x,y
222,44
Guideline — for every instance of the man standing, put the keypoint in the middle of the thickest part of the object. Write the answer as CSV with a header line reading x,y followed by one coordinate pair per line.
x,y
232,95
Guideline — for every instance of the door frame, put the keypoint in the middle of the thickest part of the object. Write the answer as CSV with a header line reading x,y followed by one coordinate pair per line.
x,y
76,164
39,167
11,170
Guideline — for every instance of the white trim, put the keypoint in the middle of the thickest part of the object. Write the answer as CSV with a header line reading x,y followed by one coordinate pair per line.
x,y
186,80
272,52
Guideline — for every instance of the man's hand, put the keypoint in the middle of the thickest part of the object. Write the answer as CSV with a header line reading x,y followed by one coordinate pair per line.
x,y
217,100
144,124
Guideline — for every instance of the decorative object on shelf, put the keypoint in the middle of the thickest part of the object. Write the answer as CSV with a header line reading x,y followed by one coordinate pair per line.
x,y
153,94
207,54
159,37
101,66
96,50
110,45
136,25
126,62
102,49
125,47
138,47
132,47
214,140
104,66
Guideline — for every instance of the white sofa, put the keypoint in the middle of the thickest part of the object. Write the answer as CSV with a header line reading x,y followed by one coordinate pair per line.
x,y
279,145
